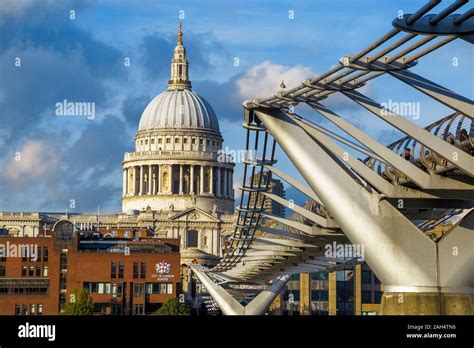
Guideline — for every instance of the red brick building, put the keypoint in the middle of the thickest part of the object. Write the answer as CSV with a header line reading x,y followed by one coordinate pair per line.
x,y
125,271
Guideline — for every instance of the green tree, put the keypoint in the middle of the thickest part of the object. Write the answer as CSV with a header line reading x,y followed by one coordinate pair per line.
x,y
80,303
174,307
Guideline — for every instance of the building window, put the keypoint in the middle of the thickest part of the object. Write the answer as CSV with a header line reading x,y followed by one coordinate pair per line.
x,y
121,268
192,239
45,271
378,297
185,140
152,141
3,270
168,140
24,309
62,280
159,288
319,295
117,290
138,290
117,309
38,271
98,288
38,257
31,272
160,141
319,276
63,261
295,277
207,142
142,270
201,142
40,309
32,309
366,277
17,309
205,240
138,309
62,299
146,141
345,292
135,270
113,270
193,141
176,140
45,254
366,297
24,271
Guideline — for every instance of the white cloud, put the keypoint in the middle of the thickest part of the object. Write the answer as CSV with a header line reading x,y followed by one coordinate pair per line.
x,y
35,159
263,80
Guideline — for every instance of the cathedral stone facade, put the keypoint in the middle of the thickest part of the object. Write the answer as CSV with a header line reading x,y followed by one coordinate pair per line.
x,y
176,183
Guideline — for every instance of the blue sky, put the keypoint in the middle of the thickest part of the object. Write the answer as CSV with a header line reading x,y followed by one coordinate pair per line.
x,y
64,158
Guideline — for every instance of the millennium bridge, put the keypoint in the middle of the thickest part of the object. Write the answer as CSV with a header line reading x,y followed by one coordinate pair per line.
x,y
386,198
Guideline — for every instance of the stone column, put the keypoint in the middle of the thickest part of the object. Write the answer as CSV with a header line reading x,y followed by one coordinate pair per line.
x,y
211,180
226,187
180,179
171,178
191,184
159,177
124,183
153,178
219,193
135,176
201,179
150,181
140,186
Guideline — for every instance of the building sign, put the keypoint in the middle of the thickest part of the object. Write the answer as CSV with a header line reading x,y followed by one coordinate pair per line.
x,y
163,270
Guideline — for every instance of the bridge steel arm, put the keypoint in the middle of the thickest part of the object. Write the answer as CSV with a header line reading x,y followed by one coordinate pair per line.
x,y
295,183
388,237
377,181
261,302
457,157
382,185
443,95
230,306
318,219
227,304
418,176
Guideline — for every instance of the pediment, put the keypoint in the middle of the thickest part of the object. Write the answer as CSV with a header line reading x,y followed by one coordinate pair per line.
x,y
194,214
